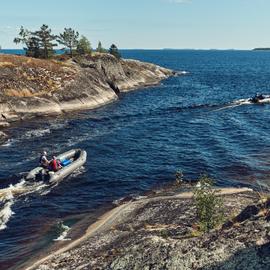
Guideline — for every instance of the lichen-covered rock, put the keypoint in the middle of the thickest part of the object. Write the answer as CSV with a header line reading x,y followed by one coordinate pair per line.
x,y
156,233
31,86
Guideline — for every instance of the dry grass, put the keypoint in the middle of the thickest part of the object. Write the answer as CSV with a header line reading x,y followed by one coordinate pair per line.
x,y
52,65
18,93
22,76
6,64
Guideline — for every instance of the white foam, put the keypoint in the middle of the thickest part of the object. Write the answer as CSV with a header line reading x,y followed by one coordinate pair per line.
x,y
248,101
183,72
5,214
64,229
8,143
36,133
227,107
8,198
242,102
234,104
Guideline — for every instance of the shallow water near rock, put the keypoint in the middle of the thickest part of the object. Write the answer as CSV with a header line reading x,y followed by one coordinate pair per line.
x,y
196,123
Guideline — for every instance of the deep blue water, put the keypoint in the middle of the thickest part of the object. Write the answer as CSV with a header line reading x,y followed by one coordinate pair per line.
x,y
22,52
12,51
187,123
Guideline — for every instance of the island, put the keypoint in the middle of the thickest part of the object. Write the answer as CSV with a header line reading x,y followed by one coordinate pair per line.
x,y
261,49
32,87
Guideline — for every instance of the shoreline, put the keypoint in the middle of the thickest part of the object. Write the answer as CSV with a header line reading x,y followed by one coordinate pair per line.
x,y
73,85
4,137
118,213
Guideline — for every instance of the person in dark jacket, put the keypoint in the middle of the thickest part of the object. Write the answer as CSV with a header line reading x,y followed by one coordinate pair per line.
x,y
43,161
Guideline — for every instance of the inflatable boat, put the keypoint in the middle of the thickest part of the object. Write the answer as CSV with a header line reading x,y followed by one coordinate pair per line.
x,y
70,161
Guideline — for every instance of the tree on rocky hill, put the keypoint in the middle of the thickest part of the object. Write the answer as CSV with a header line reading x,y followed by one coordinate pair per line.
x,y
69,38
84,46
39,44
100,49
114,51
45,39
32,46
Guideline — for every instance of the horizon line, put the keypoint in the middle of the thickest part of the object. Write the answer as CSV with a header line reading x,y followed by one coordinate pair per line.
x,y
158,49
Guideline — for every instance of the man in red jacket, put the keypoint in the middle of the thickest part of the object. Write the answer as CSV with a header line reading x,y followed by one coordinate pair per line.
x,y
54,164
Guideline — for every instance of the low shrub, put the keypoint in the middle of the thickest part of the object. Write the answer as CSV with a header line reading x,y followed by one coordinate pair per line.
x,y
209,206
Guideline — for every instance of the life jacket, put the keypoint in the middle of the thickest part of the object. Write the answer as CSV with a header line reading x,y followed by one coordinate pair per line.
x,y
54,165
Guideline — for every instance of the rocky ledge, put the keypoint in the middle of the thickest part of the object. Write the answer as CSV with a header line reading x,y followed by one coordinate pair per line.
x,y
157,232
30,87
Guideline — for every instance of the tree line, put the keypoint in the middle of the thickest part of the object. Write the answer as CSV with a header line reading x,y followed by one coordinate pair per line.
x,y
41,43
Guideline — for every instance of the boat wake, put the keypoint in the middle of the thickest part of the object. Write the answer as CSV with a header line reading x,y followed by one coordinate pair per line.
x,y
36,133
9,195
6,212
246,101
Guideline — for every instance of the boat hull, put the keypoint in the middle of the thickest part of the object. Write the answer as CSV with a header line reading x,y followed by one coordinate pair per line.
x,y
79,157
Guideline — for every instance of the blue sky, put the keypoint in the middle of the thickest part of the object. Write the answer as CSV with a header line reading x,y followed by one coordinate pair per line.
x,y
204,24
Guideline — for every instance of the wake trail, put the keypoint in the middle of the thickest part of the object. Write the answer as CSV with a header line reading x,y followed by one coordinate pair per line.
x,y
241,102
9,195
227,107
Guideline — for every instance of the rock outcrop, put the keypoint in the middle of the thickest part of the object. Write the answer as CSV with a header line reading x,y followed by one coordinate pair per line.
x,y
158,233
3,137
31,86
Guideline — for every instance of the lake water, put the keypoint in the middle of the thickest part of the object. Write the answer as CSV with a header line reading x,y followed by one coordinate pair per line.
x,y
194,123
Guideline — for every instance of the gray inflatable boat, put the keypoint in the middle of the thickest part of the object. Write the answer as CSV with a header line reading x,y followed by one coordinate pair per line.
x,y
70,161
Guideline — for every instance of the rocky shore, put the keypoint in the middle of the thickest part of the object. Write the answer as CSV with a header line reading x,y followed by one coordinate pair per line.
x,y
158,232
31,87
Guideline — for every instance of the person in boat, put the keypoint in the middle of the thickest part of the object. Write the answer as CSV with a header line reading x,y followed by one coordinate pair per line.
x,y
43,161
55,164
257,98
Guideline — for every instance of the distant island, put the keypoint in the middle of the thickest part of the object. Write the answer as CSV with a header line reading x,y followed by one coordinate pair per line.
x,y
261,49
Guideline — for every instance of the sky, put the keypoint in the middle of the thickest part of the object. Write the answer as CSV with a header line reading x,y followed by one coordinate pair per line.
x,y
145,24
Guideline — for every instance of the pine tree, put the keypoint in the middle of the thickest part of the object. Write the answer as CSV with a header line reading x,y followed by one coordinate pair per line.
x,y
114,51
69,38
32,48
45,40
100,49
84,46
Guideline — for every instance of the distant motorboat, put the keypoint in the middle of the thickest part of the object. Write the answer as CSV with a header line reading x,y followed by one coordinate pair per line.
x,y
70,161
260,98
